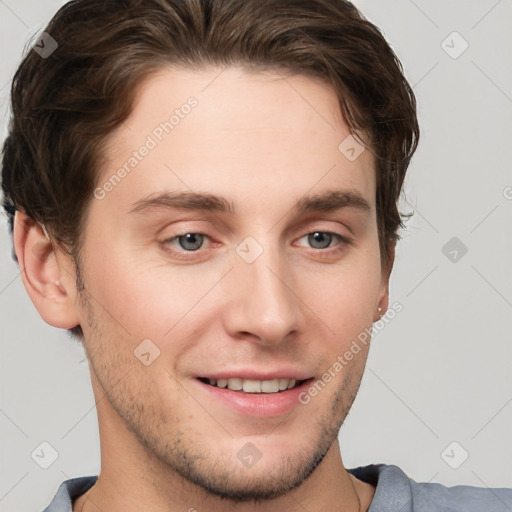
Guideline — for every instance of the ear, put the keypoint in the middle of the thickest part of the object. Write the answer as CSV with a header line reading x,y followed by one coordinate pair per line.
x,y
383,300
50,285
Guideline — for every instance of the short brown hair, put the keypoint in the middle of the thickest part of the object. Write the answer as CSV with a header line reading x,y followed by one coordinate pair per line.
x,y
64,106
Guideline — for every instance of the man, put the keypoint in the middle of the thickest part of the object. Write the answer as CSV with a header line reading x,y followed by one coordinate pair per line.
x,y
204,192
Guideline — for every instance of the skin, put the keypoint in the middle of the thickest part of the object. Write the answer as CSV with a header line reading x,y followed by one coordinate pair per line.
x,y
263,141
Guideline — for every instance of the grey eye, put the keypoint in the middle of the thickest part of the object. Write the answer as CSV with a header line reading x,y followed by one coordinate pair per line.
x,y
191,241
320,239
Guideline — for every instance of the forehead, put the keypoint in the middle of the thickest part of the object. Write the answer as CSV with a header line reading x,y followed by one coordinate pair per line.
x,y
244,132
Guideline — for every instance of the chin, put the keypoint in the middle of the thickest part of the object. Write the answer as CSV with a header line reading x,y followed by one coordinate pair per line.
x,y
261,482
255,468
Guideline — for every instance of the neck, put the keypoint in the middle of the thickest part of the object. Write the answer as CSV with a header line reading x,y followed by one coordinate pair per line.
x,y
126,486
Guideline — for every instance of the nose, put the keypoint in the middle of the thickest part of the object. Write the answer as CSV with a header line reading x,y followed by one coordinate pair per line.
x,y
262,305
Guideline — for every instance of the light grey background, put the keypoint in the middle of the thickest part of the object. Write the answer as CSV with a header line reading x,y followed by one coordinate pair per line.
x,y
438,373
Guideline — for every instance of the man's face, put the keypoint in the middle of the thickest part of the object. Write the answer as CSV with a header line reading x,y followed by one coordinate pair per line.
x,y
250,294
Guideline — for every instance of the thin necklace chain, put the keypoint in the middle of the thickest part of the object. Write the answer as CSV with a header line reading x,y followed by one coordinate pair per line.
x,y
85,501
83,504
357,496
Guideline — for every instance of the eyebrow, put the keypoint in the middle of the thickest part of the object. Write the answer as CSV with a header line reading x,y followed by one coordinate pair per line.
x,y
327,202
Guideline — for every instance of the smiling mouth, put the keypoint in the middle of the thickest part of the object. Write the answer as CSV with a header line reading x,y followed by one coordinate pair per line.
x,y
253,386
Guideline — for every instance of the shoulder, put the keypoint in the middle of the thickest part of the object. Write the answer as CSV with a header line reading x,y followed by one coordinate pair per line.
x,y
463,498
396,491
68,491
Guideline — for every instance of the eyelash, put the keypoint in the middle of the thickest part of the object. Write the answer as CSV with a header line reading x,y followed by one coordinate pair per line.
x,y
187,255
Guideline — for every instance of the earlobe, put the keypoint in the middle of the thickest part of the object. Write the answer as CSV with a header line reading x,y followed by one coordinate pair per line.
x,y
383,302
382,306
49,285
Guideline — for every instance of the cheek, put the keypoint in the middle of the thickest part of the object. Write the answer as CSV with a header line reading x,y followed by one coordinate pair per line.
x,y
344,297
149,299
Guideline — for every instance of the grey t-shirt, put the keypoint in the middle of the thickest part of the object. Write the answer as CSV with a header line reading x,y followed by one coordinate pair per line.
x,y
395,492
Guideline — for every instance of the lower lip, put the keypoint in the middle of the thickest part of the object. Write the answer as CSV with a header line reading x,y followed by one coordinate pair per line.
x,y
261,405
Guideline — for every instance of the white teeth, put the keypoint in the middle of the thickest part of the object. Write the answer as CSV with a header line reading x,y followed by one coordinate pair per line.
x,y
235,384
283,384
254,386
270,386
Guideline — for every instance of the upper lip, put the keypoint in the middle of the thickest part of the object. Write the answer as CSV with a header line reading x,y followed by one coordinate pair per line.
x,y
258,375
